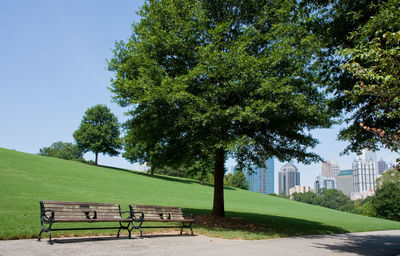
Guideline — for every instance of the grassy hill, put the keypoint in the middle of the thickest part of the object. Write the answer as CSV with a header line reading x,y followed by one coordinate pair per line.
x,y
25,179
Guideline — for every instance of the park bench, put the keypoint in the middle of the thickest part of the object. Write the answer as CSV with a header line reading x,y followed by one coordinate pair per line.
x,y
150,213
75,212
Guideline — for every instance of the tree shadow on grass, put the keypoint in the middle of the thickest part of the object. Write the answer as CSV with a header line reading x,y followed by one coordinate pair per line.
x,y
363,244
164,177
268,225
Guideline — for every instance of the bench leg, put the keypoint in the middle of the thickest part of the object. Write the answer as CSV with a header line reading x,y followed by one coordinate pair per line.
x,y
48,230
128,227
139,227
40,233
187,226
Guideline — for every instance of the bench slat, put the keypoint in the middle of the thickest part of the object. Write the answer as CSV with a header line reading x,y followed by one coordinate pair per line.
x,y
153,206
69,211
77,203
87,220
160,220
159,210
74,207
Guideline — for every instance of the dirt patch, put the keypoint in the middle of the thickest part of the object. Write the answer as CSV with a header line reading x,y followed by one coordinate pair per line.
x,y
230,223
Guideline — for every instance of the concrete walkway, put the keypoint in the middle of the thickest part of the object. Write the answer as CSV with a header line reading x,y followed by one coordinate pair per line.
x,y
368,243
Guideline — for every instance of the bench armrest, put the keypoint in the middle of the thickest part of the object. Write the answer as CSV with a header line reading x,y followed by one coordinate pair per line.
x,y
141,218
47,218
191,216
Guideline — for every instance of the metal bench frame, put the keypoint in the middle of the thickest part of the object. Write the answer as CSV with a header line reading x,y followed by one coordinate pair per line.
x,y
47,220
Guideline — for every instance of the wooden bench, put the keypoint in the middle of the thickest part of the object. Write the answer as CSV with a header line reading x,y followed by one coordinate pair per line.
x,y
150,213
63,212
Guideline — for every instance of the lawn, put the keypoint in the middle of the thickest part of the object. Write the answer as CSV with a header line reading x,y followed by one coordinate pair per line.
x,y
25,179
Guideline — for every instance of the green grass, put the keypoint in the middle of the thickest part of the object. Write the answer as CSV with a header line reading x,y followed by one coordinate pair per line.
x,y
25,179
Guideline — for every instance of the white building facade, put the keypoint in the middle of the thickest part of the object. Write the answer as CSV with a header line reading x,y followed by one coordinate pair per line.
x,y
364,175
299,189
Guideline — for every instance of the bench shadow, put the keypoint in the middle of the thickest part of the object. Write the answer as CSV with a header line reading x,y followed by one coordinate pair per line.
x,y
89,239
163,235
113,238
364,244
272,224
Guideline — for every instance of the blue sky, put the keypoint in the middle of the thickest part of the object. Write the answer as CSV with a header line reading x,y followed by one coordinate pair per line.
x,y
53,67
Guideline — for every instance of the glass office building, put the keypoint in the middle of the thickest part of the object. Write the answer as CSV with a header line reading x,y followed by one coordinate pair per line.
x,y
261,179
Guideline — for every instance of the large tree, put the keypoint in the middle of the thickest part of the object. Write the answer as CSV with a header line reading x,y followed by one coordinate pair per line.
x,y
99,132
219,78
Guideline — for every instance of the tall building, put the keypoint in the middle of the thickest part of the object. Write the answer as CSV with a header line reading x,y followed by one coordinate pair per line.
x,y
364,174
345,182
317,185
330,169
321,182
369,155
382,167
288,178
261,179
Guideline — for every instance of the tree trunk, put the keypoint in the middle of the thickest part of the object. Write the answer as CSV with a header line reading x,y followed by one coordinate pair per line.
x,y
218,207
97,155
152,172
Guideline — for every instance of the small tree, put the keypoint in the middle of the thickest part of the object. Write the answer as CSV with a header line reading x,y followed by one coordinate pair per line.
x,y
332,198
307,197
239,180
99,132
62,150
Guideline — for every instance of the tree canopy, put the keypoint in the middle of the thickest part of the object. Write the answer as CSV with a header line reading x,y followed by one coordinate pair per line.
x,y
374,62
359,58
219,78
99,132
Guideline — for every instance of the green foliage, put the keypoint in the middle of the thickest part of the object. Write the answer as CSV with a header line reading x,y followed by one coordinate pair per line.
x,y
330,198
390,176
333,198
386,202
63,150
307,197
360,60
26,179
236,180
99,132
216,78
170,172
199,170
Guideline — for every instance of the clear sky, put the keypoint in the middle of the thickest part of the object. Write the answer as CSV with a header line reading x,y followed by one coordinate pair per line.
x,y
53,67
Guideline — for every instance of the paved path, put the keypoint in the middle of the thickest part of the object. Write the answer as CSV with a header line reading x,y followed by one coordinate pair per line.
x,y
368,243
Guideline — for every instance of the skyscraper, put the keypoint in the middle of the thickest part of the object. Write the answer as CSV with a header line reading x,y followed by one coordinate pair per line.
x,y
321,182
261,179
330,169
364,171
288,178
345,182
382,167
